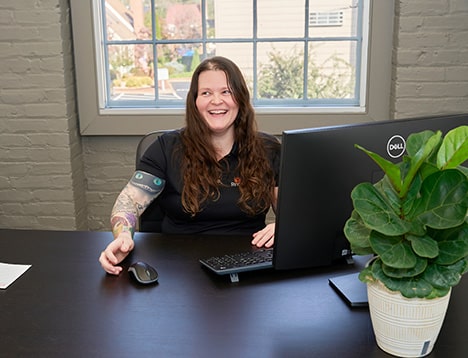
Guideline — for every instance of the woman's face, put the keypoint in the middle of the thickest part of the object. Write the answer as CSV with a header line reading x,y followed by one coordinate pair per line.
x,y
215,101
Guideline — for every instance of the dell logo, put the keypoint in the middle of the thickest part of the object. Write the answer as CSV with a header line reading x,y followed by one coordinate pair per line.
x,y
396,146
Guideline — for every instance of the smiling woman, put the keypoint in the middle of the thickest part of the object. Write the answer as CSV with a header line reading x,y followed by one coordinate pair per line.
x,y
220,173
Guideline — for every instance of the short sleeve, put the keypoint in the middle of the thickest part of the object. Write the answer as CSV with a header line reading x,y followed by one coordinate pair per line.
x,y
157,157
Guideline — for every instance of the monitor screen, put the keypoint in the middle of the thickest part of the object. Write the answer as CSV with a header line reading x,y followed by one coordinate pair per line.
x,y
319,169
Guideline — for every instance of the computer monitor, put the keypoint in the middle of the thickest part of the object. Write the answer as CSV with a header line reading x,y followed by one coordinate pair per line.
x,y
319,169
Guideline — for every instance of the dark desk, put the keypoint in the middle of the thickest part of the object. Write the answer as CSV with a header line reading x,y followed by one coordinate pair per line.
x,y
66,306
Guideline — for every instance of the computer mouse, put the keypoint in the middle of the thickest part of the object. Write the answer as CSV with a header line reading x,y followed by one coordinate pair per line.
x,y
143,272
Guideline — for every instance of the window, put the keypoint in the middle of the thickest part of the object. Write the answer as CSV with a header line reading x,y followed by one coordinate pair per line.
x,y
306,58
151,47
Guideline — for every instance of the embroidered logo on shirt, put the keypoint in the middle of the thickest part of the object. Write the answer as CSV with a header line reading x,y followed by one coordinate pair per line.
x,y
236,181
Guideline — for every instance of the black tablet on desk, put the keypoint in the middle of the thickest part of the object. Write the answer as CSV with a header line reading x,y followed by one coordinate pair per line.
x,y
351,289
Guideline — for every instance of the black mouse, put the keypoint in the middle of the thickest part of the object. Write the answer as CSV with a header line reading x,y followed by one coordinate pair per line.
x,y
143,273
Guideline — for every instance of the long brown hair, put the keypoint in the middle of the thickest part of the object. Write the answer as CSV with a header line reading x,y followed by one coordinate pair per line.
x,y
201,171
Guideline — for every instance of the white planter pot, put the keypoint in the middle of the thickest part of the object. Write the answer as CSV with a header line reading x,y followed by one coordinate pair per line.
x,y
405,327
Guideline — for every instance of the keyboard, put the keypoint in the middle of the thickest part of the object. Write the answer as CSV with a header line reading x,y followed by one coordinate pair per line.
x,y
240,262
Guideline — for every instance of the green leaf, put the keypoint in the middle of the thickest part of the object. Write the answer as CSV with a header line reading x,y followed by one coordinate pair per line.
x,y
419,268
366,275
424,246
427,144
438,292
454,233
407,203
465,270
444,199
408,287
454,149
416,141
415,287
417,227
453,244
392,171
385,187
393,250
427,169
452,251
376,212
444,276
358,235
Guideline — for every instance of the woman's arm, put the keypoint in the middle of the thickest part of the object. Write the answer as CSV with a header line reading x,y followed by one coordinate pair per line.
x,y
132,201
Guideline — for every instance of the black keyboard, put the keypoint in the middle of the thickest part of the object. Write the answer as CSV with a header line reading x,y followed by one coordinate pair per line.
x,y
240,262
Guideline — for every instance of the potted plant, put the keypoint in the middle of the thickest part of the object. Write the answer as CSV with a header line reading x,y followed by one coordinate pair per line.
x,y
414,222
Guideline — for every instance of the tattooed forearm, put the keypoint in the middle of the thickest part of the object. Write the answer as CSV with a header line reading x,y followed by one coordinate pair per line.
x,y
124,215
123,223
137,195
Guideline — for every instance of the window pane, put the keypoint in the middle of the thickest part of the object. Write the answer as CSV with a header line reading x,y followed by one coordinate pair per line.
x,y
280,70
176,63
333,18
233,19
331,69
130,68
128,19
179,19
277,20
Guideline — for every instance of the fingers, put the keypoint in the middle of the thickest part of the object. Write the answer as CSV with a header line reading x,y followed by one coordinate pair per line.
x,y
115,252
267,242
263,241
270,242
264,237
107,265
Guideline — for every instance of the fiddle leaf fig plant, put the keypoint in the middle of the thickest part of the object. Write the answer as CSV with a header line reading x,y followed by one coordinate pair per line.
x,y
414,220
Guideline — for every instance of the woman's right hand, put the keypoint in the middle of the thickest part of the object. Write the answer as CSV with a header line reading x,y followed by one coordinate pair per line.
x,y
115,252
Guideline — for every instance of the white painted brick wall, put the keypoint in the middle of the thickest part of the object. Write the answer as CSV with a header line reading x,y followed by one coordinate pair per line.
x,y
42,176
51,178
110,162
431,58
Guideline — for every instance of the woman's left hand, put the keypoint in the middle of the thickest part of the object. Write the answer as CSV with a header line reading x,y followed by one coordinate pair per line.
x,y
264,237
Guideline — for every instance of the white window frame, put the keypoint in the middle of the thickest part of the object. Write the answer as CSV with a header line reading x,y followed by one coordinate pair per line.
x,y
375,103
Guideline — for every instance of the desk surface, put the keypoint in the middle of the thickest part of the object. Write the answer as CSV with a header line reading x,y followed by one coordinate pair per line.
x,y
66,306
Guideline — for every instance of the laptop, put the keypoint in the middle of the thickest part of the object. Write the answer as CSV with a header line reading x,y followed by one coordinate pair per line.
x,y
351,289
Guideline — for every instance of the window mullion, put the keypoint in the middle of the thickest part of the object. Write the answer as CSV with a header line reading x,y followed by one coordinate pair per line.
x,y
306,51
154,44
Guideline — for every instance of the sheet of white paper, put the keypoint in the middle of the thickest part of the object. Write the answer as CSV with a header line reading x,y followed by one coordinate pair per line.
x,y
10,272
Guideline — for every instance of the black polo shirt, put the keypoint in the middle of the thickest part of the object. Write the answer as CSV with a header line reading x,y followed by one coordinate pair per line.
x,y
217,217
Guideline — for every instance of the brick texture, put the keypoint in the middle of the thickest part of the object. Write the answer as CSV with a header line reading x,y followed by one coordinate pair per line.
x,y
42,181
430,65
